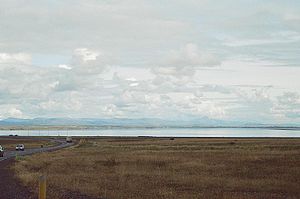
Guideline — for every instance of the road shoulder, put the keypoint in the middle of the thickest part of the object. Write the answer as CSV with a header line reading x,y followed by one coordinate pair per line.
x,y
10,186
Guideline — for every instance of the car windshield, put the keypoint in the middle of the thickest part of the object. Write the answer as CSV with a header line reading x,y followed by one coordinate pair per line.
x,y
20,145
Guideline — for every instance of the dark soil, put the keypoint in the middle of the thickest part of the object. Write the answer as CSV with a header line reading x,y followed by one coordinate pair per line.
x,y
10,187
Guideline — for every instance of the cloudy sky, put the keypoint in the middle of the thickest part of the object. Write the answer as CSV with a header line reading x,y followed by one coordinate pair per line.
x,y
231,60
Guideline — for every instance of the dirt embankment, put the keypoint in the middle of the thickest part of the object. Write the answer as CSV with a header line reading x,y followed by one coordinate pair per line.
x,y
10,186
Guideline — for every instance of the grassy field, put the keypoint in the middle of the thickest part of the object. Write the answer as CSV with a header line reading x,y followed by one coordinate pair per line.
x,y
10,143
166,168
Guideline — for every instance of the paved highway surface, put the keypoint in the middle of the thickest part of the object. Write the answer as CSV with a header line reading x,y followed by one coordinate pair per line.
x,y
60,144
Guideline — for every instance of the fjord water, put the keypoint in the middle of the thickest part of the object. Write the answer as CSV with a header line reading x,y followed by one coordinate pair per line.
x,y
163,132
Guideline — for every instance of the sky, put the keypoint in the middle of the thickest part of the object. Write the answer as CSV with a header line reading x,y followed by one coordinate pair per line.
x,y
235,60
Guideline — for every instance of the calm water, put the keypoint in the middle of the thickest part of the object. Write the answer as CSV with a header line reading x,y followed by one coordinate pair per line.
x,y
179,132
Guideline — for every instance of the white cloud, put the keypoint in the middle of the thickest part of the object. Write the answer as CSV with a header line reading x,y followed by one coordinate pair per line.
x,y
86,61
144,59
280,37
14,112
185,61
191,55
84,55
288,105
10,110
64,66
15,58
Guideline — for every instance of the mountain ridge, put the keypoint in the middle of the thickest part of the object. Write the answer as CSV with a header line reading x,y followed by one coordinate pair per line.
x,y
127,122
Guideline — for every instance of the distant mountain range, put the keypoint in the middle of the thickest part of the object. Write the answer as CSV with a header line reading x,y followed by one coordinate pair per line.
x,y
121,122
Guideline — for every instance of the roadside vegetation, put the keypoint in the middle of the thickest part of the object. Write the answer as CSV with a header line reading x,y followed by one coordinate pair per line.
x,y
168,168
10,143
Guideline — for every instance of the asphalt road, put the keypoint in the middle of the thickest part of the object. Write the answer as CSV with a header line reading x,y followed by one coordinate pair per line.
x,y
60,144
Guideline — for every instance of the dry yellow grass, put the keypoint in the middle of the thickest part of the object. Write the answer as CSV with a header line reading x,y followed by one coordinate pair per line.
x,y
10,143
164,168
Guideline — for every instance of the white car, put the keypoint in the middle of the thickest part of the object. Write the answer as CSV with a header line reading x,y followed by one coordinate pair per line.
x,y
69,139
1,151
20,147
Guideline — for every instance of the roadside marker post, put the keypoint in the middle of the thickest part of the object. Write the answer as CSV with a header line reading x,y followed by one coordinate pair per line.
x,y
42,187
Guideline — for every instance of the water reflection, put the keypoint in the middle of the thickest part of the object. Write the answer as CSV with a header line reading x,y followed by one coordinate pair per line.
x,y
172,132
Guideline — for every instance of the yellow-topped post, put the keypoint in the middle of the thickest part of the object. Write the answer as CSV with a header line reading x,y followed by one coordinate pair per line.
x,y
42,187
